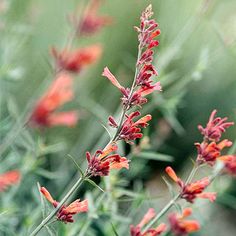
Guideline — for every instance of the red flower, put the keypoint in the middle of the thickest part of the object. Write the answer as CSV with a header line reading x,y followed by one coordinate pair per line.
x,y
180,226
59,93
66,213
102,162
9,178
91,22
215,127
136,230
229,164
208,153
191,191
75,61
131,130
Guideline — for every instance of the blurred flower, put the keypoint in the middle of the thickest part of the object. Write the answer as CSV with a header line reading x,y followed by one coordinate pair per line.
x,y
191,191
66,213
91,22
59,93
75,61
215,127
136,230
180,226
102,162
9,178
229,164
131,130
208,153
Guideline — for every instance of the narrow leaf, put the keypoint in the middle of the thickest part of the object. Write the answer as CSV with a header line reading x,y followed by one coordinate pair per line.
x,y
114,229
94,184
155,156
77,165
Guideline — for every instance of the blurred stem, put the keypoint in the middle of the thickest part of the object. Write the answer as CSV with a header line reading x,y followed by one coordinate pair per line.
x,y
62,202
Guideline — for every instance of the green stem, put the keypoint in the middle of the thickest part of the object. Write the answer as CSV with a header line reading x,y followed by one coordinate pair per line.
x,y
172,201
54,212
162,212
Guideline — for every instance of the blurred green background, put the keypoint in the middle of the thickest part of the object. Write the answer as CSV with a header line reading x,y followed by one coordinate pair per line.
x,y
196,64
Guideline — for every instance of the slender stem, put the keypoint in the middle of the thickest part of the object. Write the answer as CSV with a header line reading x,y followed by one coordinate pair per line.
x,y
62,202
162,212
125,108
192,173
114,139
172,201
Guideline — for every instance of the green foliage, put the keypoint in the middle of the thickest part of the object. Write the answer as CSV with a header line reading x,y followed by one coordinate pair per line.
x,y
196,61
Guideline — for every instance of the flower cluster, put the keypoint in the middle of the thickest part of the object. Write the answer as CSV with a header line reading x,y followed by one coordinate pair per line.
x,y
180,226
210,149
65,213
137,230
102,162
9,178
193,190
45,111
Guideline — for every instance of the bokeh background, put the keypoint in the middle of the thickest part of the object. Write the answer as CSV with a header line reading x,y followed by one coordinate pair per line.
x,y
196,64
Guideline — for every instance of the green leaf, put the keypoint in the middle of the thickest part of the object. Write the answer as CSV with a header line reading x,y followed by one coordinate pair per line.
x,y
77,165
114,229
170,188
43,201
155,156
94,184
107,130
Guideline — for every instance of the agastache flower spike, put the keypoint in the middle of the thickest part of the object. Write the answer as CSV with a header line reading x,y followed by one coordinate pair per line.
x,y
59,93
9,178
215,127
137,230
191,191
65,213
102,162
143,84
180,226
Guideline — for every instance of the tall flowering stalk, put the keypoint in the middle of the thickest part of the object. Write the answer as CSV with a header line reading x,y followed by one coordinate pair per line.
x,y
208,152
128,127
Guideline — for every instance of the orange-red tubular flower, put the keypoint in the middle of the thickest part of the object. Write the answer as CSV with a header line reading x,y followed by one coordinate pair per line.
x,y
137,230
9,178
91,22
180,226
215,127
191,191
210,152
59,93
102,162
75,61
130,129
65,213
